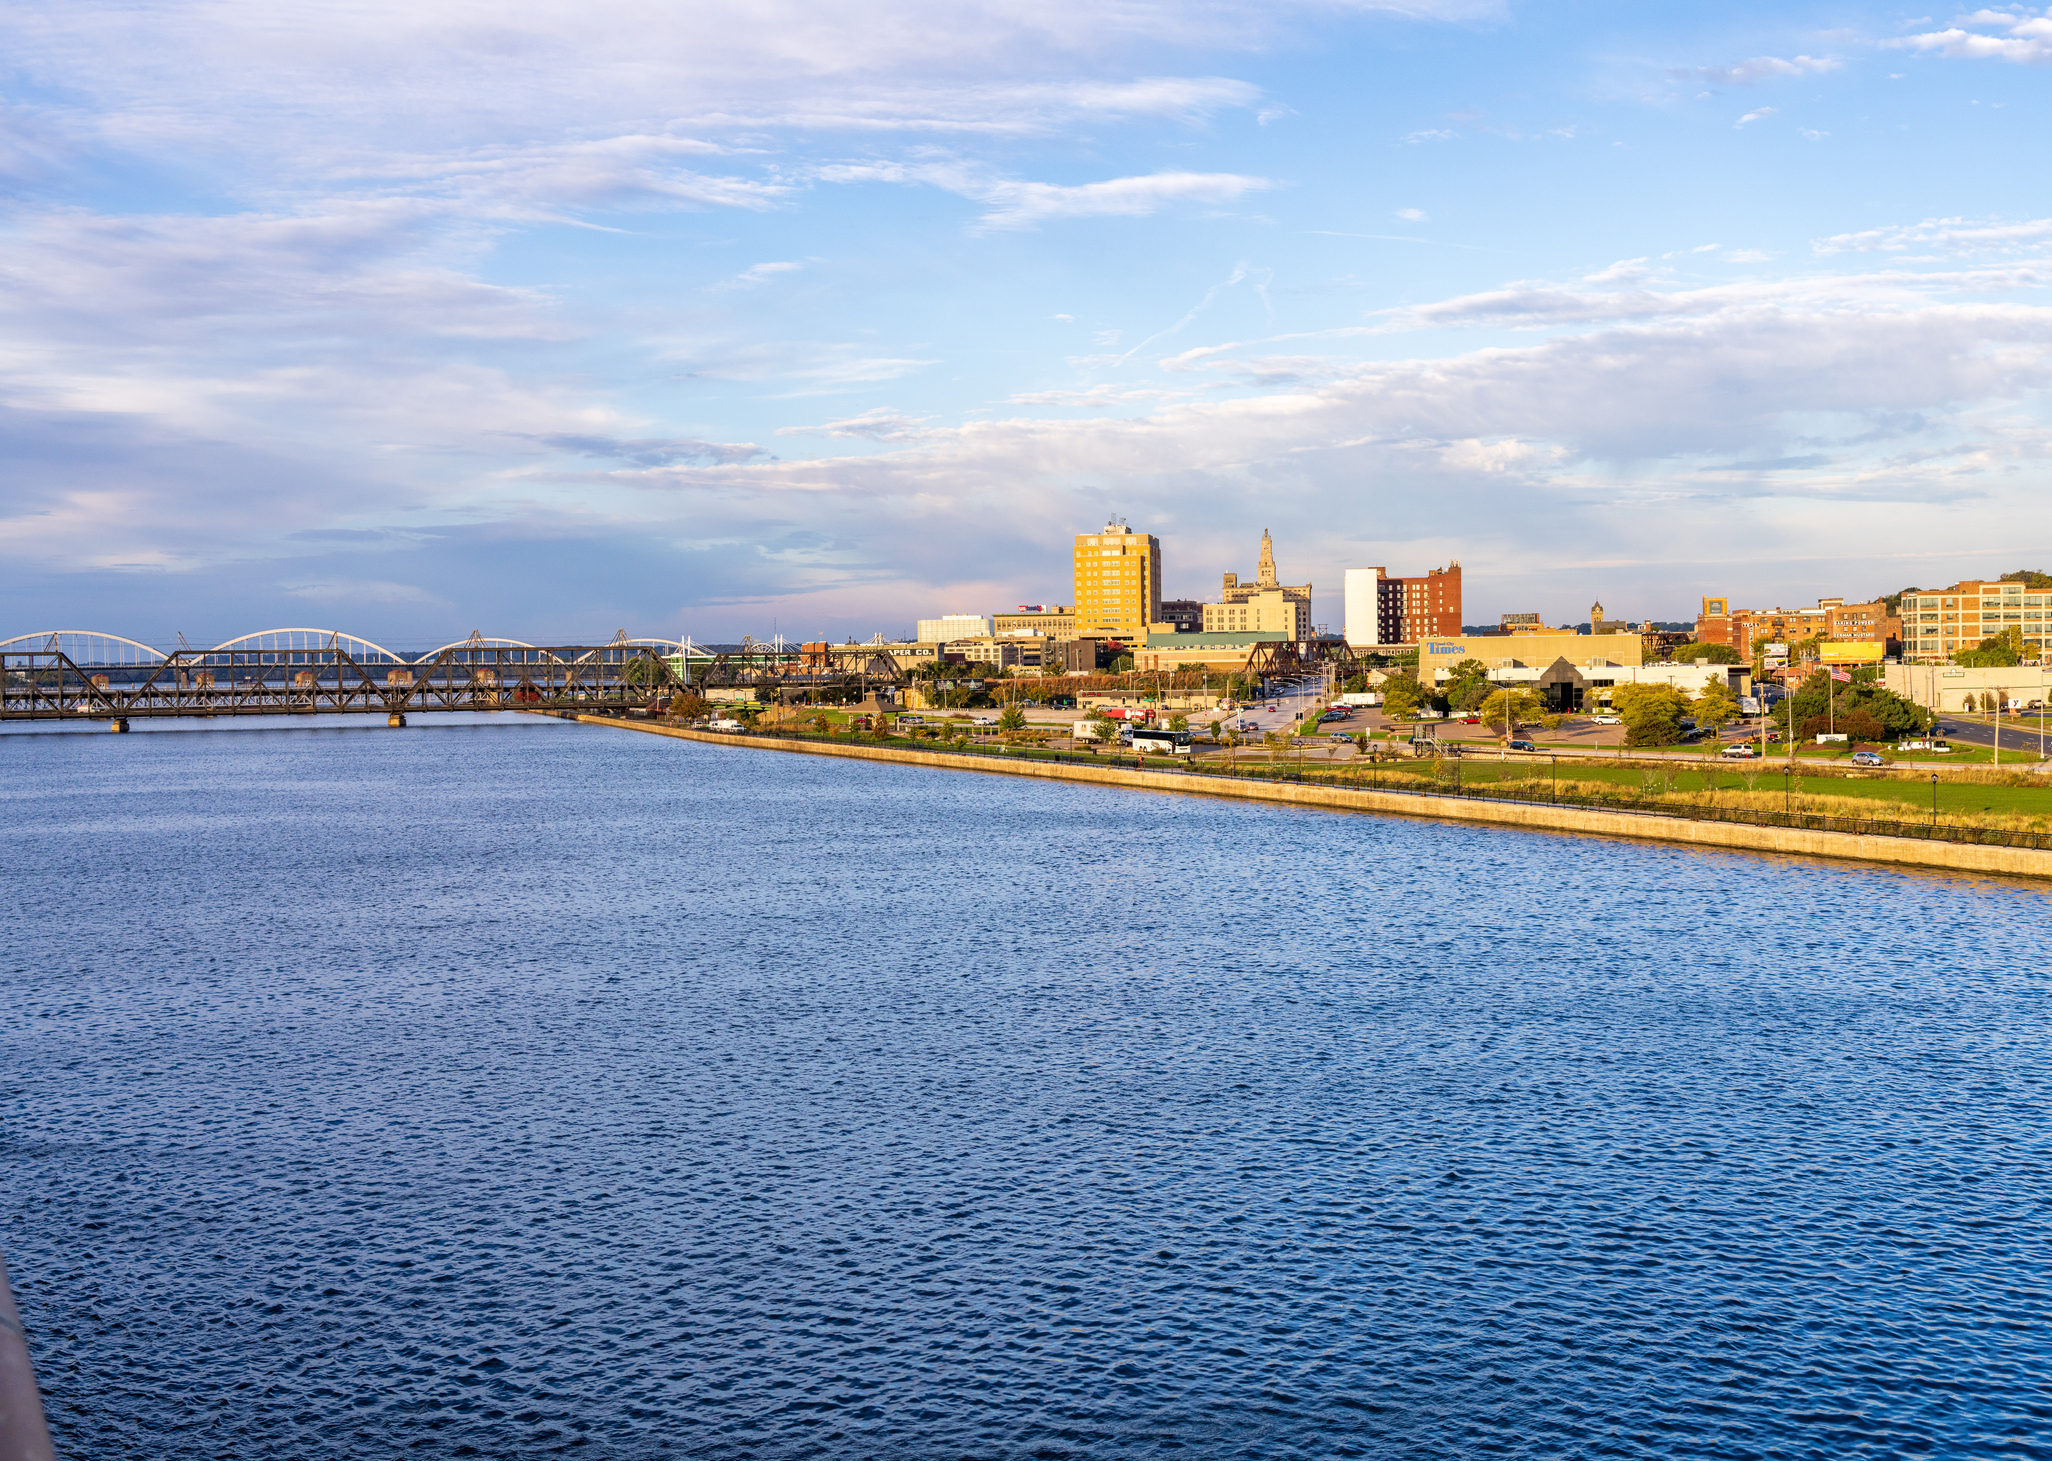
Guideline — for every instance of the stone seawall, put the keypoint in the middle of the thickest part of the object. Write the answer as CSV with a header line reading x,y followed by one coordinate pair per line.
x,y
1902,851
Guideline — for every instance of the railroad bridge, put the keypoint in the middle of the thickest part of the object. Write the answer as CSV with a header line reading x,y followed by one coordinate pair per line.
x,y
74,675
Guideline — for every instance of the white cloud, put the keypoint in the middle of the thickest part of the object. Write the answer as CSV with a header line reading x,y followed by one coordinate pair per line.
x,y
1020,205
1761,68
759,274
881,424
1012,203
1411,215
1758,114
1943,235
2022,35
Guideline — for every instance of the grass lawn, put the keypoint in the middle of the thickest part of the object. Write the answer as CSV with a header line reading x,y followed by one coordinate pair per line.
x,y
1954,798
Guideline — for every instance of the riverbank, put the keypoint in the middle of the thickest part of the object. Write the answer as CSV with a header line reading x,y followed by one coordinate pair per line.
x,y
1587,821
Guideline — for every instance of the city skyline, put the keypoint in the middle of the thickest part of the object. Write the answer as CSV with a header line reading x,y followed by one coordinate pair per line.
x,y
553,319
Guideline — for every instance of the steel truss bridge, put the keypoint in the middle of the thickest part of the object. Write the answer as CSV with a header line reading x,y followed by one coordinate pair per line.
x,y
72,675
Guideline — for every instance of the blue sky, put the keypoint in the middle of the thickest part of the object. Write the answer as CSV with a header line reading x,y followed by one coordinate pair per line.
x,y
549,319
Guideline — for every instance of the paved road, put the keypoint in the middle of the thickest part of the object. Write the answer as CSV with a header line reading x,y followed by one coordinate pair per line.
x,y
2015,736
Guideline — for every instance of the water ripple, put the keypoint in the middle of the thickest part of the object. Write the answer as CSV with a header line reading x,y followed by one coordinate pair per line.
x,y
512,1089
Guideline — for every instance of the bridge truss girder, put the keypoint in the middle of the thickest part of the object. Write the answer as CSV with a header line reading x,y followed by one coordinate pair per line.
x,y
47,684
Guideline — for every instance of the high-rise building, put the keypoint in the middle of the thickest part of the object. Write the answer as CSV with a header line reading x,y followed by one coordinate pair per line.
x,y
1938,623
1385,610
1118,583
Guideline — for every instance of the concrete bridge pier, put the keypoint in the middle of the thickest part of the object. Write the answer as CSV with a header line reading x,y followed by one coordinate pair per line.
x,y
395,720
118,726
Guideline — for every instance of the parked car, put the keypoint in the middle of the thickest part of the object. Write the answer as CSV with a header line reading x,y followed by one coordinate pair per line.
x,y
1606,720
1868,758
1521,746
983,720
1338,736
1471,720
1740,752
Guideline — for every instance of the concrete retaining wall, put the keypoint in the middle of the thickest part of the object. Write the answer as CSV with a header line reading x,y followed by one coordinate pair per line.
x,y
1903,851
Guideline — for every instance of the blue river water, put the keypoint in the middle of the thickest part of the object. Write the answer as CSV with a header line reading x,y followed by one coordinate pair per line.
x,y
512,1088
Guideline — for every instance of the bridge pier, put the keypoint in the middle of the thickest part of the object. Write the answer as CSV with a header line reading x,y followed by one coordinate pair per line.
x,y
395,720
118,726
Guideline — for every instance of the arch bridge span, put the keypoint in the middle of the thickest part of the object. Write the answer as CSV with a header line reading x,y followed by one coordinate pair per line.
x,y
74,674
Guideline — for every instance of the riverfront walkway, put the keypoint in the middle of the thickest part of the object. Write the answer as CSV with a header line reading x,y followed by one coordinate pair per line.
x,y
1803,835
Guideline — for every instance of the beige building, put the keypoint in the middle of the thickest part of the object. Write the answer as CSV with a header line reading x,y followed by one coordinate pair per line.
x,y
1945,688
1528,651
1227,653
1265,581
988,651
952,626
1039,654
1276,612
1044,620
1118,583
1938,624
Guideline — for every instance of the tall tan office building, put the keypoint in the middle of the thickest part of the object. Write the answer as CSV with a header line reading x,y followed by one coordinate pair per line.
x,y
1118,583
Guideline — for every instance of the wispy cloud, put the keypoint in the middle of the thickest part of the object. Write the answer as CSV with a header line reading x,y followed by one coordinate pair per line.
x,y
756,274
657,451
1758,69
1944,236
1757,115
882,424
1013,203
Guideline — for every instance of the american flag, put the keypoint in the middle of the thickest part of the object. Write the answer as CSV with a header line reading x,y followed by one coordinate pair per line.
x,y
1842,675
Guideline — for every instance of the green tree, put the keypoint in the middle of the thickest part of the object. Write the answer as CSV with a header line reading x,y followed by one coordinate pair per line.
x,y
1995,652
1401,697
1832,704
1652,713
1716,654
1522,706
1012,721
2029,578
1714,709
1179,722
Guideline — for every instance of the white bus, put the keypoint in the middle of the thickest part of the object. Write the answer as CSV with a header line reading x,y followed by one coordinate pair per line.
x,y
1173,742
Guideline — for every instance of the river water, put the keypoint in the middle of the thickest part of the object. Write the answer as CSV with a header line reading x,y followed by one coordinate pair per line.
x,y
509,1088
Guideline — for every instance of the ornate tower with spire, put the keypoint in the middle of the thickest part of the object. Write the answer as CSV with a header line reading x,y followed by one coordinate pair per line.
x,y
1264,604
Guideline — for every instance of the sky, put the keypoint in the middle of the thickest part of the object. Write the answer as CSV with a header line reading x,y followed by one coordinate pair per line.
x,y
547,319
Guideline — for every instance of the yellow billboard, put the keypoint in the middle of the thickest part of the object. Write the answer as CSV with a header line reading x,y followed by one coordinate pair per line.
x,y
1853,652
